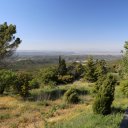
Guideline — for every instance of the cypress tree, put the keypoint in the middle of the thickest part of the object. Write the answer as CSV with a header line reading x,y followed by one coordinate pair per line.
x,y
62,69
105,96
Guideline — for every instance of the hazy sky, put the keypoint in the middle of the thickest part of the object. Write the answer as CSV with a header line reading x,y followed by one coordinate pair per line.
x,y
68,24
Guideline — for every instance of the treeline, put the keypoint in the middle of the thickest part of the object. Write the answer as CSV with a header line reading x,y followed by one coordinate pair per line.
x,y
35,62
22,82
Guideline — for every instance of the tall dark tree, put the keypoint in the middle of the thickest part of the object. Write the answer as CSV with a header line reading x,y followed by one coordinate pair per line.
x,y
62,69
8,42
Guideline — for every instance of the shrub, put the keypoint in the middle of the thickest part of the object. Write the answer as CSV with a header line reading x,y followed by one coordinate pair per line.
x,y
102,105
65,79
34,84
105,96
124,87
48,76
62,69
71,96
6,79
22,83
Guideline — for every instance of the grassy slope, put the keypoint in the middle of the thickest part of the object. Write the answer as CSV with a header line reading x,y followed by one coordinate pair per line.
x,y
88,120
15,113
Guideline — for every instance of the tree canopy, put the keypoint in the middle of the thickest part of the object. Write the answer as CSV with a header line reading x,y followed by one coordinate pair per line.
x,y
8,42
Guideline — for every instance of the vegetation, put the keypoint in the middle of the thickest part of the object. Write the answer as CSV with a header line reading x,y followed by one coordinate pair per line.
x,y
8,42
6,80
48,76
101,69
105,96
21,84
71,96
90,70
124,87
62,69
95,69
63,94
124,64
76,70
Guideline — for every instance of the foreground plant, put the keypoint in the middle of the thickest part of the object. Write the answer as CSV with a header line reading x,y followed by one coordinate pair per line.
x,y
105,96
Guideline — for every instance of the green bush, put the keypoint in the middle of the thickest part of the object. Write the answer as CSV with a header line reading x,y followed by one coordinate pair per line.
x,y
71,96
6,80
102,105
21,85
48,76
34,84
105,96
124,87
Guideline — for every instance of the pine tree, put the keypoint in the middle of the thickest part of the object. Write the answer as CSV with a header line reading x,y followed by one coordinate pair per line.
x,y
8,42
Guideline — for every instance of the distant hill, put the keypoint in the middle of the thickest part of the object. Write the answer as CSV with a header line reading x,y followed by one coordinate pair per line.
x,y
56,53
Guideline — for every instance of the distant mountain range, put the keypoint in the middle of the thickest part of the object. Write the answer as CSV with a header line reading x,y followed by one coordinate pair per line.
x,y
53,53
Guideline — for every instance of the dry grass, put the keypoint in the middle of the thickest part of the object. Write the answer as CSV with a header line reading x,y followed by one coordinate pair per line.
x,y
20,114
16,113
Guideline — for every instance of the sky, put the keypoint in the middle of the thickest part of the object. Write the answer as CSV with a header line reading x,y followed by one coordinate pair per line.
x,y
68,25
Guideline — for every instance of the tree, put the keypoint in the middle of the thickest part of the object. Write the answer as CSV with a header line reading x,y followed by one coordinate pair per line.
x,y
90,70
76,70
48,76
100,68
124,64
62,70
8,42
98,84
105,96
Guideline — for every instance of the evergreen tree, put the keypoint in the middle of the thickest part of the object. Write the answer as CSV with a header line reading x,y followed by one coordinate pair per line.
x,y
62,70
90,70
100,68
76,70
98,83
8,42
105,96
